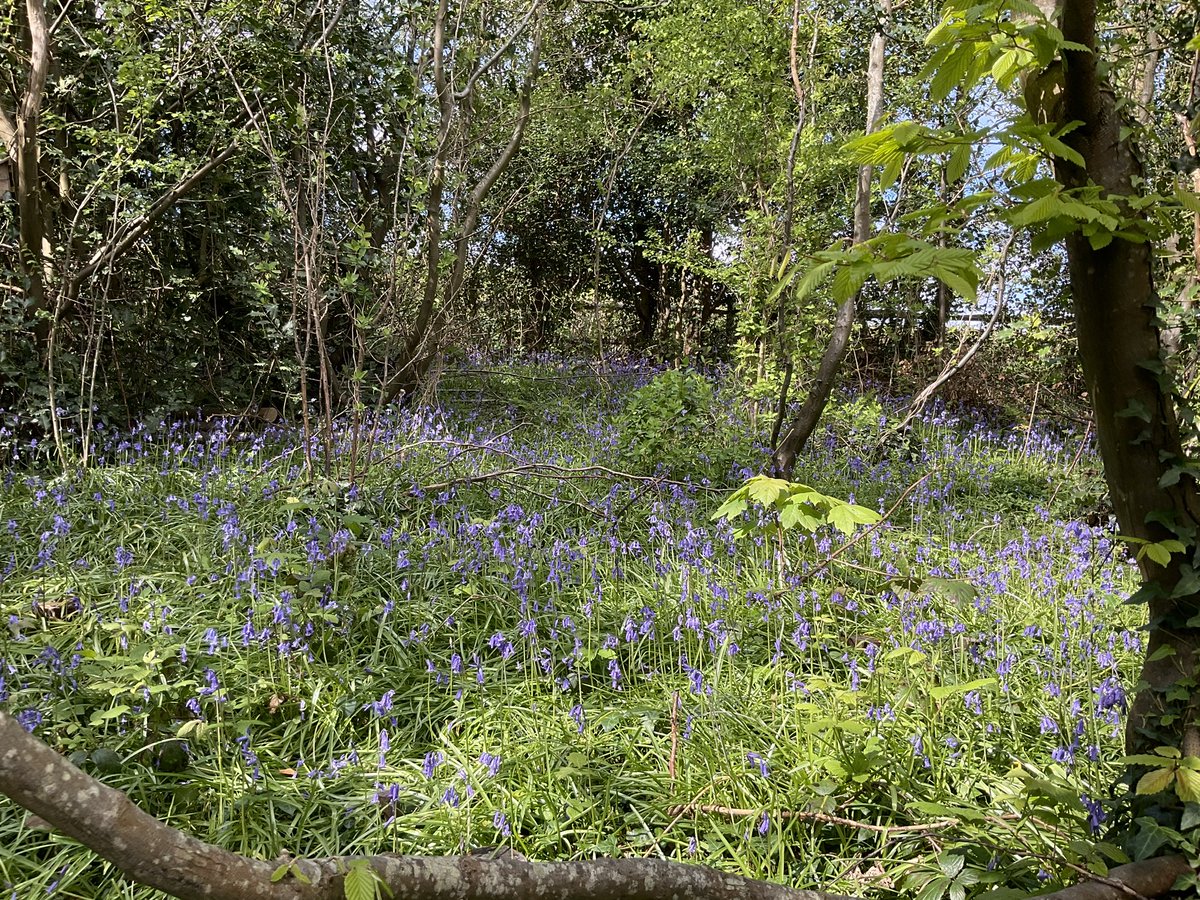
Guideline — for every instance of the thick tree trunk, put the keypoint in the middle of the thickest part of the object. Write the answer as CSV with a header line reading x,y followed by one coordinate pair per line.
x,y
1116,320
806,421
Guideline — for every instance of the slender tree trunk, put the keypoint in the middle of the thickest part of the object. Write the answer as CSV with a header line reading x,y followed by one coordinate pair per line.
x,y
425,333
20,137
1116,320
806,421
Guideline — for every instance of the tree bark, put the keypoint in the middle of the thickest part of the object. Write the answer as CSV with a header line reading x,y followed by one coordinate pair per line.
x,y
805,423
20,137
1116,320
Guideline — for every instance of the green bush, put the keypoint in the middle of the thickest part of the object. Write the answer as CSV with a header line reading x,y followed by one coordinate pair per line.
x,y
663,423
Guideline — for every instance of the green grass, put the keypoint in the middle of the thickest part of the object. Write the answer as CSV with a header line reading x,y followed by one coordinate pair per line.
x,y
620,654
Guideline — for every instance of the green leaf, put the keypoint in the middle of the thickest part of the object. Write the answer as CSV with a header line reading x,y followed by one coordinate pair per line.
x,y
766,491
812,278
731,508
951,69
846,517
1157,553
956,165
941,692
1142,759
1189,200
1191,817
848,280
280,873
1187,785
1039,210
361,881
1155,782
1189,582
795,515
960,592
951,864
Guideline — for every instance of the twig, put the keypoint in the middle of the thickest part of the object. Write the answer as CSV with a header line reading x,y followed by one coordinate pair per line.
x,y
858,538
733,811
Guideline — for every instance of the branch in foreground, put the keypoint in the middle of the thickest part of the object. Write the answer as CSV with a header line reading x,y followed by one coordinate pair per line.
x,y
154,854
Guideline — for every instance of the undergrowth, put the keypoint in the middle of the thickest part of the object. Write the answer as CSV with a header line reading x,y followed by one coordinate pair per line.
x,y
515,628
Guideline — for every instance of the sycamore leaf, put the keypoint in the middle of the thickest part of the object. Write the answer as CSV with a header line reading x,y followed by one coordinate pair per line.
x,y
731,508
766,491
799,515
846,517
1155,781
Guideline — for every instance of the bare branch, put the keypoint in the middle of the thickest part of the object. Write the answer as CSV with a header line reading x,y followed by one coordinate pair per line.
x,y
136,227
486,64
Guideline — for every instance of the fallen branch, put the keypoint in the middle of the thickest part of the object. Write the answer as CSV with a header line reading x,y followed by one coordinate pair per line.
x,y
535,470
154,854
1147,877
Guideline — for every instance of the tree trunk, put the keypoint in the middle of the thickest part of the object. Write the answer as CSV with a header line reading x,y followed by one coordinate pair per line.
x,y
20,138
1115,309
425,334
806,421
